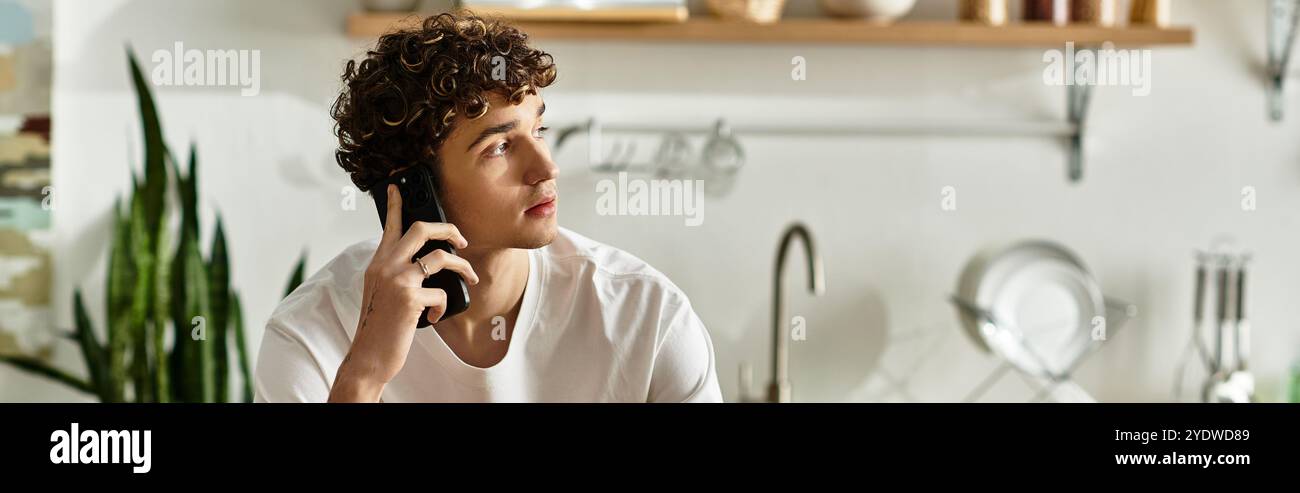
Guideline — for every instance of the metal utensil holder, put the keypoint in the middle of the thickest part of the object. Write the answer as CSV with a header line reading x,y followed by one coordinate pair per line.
x,y
1221,272
717,162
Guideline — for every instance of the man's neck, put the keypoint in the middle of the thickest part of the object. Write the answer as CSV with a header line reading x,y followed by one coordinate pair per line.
x,y
503,274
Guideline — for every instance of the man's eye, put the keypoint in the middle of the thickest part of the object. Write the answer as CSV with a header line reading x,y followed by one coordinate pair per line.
x,y
499,150
541,131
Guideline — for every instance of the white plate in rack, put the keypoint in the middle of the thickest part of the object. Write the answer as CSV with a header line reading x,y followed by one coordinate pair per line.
x,y
1042,300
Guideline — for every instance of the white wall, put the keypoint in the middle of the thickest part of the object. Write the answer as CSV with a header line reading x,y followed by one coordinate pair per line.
x,y
1163,177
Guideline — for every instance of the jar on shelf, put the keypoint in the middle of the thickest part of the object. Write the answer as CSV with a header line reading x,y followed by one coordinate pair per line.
x,y
1094,12
753,11
1053,11
991,12
1149,13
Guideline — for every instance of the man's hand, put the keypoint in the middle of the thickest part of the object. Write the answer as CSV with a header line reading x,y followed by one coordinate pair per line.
x,y
392,301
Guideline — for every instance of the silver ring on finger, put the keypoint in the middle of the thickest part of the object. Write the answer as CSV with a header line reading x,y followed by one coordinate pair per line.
x,y
423,268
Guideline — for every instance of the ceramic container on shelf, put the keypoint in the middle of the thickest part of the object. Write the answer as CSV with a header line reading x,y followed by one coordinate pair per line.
x,y
1093,12
1149,13
871,10
1053,11
991,12
755,11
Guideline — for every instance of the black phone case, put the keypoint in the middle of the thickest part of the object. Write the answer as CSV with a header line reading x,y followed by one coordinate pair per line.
x,y
420,203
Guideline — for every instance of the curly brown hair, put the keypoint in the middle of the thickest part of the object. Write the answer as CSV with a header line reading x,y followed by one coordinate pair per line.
x,y
401,100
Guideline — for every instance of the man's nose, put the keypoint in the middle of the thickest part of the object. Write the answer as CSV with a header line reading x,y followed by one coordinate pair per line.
x,y
540,166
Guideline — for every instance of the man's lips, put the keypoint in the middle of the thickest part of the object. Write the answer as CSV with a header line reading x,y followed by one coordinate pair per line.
x,y
543,208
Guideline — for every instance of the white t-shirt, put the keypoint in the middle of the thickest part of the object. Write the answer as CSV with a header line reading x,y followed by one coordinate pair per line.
x,y
596,325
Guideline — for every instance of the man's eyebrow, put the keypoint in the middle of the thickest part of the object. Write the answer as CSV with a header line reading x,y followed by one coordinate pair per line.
x,y
500,129
490,131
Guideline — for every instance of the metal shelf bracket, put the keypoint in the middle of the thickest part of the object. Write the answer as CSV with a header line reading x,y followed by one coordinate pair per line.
x,y
1282,20
1078,97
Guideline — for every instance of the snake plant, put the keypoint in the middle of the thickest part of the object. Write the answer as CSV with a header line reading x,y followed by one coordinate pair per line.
x,y
158,282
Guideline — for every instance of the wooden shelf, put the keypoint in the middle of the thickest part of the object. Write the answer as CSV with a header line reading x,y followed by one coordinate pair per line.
x,y
821,31
847,32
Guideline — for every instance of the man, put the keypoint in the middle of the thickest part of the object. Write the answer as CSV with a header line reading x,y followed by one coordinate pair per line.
x,y
553,316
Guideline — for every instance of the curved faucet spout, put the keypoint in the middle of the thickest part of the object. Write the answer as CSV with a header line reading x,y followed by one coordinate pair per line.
x,y
779,390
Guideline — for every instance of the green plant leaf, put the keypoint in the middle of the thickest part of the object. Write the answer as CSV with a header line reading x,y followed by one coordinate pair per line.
x,y
295,279
39,367
159,308
119,293
189,195
219,291
124,335
153,195
187,191
155,148
91,350
237,316
181,379
184,381
197,354
117,281
132,337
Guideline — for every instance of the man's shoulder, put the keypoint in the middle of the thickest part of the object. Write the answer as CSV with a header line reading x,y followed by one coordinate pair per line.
x,y
582,259
327,294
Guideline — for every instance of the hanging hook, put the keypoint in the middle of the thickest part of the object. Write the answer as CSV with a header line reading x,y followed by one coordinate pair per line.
x,y
723,154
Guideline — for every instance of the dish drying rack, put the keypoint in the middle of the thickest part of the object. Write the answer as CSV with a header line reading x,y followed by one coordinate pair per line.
x,y
1060,384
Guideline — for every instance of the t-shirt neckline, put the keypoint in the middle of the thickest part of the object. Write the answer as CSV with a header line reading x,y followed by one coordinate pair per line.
x,y
471,375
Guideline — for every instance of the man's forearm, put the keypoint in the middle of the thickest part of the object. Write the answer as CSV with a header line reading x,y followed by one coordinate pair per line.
x,y
353,386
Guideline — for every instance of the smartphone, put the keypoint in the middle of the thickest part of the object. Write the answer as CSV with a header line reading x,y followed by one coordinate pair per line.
x,y
420,203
